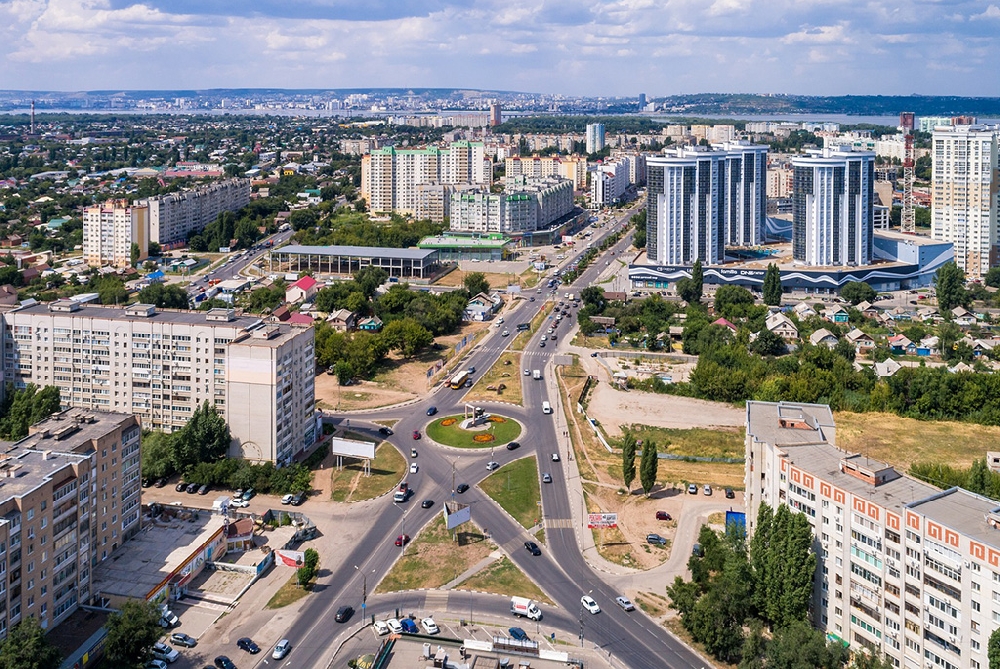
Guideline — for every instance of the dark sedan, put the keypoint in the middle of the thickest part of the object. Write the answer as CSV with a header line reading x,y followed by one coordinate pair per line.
x,y
247,644
532,548
344,614
462,487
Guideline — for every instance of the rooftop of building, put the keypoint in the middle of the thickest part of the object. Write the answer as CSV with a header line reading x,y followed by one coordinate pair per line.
x,y
965,512
271,335
139,312
145,561
356,251
22,471
790,424
69,429
447,241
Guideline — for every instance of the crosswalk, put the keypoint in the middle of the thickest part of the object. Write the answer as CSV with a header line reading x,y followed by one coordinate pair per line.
x,y
558,523
502,349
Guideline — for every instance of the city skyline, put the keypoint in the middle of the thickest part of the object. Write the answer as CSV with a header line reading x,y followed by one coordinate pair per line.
x,y
596,48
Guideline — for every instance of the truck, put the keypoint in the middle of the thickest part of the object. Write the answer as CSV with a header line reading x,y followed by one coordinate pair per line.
x,y
522,327
403,493
522,607
221,504
536,374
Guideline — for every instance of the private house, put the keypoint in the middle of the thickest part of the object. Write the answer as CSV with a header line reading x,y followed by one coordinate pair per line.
x,y
823,337
8,295
372,324
862,341
300,318
963,317
722,322
868,310
482,307
887,368
901,345
901,314
929,315
803,310
836,314
302,290
281,314
342,320
928,346
782,325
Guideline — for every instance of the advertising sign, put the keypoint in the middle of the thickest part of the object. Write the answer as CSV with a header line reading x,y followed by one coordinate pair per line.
x,y
601,520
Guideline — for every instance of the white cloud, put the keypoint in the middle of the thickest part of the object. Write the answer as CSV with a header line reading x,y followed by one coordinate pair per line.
x,y
991,12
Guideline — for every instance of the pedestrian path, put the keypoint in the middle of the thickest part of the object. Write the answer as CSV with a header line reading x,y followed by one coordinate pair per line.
x,y
472,571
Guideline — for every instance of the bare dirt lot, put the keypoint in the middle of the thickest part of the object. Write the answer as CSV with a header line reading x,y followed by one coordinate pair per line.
x,y
613,407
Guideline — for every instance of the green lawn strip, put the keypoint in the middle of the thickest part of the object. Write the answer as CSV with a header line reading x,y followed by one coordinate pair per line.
x,y
290,592
516,489
500,372
697,442
504,578
433,558
454,435
387,469
522,338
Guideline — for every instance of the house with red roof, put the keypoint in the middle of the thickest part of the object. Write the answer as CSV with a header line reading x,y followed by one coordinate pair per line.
x,y
722,322
302,290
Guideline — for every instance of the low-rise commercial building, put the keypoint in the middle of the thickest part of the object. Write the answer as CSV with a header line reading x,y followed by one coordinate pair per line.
x,y
346,260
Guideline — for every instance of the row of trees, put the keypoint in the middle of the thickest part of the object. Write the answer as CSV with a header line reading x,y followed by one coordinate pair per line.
x,y
344,227
23,408
203,440
978,478
648,463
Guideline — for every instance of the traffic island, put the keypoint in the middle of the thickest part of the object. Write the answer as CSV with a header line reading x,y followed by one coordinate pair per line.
x,y
486,431
516,489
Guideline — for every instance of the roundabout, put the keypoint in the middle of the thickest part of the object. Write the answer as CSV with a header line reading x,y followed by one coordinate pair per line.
x,y
484,432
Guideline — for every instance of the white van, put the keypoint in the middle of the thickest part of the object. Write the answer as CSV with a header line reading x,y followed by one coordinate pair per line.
x,y
546,407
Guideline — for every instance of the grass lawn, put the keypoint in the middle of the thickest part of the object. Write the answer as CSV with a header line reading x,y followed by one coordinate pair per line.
x,y
516,488
902,441
290,592
506,370
700,442
351,485
433,558
504,578
521,338
454,435
653,604
530,277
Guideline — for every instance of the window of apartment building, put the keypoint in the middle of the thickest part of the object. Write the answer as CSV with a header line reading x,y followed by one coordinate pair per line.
x,y
975,605
911,536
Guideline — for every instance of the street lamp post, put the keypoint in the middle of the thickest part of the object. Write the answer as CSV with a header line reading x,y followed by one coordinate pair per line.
x,y
364,590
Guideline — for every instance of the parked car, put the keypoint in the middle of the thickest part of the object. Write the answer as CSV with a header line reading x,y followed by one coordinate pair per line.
x,y
663,515
181,639
409,627
156,664
625,603
697,551
429,626
160,482
162,651
532,548
588,603
394,626
223,662
298,498
281,649
249,494
203,490
708,490
180,487
517,633
656,539
462,487
692,489
287,499
239,503
247,644
380,627
344,614
431,411
730,494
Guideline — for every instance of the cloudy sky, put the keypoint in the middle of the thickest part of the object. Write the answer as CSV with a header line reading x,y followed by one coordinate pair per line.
x,y
574,47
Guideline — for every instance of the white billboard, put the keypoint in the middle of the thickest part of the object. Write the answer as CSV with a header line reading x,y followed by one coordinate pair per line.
x,y
353,448
597,520
290,558
456,513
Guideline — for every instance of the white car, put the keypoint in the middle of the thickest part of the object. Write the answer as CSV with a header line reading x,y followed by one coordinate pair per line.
x,y
394,626
381,628
429,626
708,489
239,503
156,664
491,465
505,333
413,467
588,603
162,651
287,499
555,457
499,320
281,650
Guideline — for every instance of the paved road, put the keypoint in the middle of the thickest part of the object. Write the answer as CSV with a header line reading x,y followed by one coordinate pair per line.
x,y
233,269
561,570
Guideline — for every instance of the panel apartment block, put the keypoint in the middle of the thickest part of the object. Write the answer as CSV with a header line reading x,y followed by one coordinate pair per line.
x,y
69,496
162,364
966,194
904,568
110,229
573,168
176,216
832,207
525,205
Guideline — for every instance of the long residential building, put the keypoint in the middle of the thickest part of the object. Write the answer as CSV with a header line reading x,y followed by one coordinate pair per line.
x,y
573,168
904,569
109,231
702,199
610,180
525,205
391,177
162,364
965,177
69,497
176,216
832,207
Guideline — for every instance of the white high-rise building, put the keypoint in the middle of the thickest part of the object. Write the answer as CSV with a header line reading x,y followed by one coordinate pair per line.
x,y
595,137
161,365
525,205
390,177
903,568
965,182
610,180
110,229
703,199
832,207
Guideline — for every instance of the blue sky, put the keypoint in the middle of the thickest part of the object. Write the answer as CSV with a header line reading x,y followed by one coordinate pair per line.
x,y
572,47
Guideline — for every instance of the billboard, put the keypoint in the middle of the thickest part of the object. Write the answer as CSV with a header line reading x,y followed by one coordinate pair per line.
x,y
456,513
599,520
353,448
290,558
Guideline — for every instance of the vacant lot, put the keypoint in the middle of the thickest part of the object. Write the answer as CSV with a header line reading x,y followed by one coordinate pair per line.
x,y
433,558
504,578
506,372
902,441
699,442
613,408
515,487
448,431
351,485
495,279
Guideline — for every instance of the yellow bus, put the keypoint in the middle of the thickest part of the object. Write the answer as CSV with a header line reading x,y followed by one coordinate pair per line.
x,y
459,379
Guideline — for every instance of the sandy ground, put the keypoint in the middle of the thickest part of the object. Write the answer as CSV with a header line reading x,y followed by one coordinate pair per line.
x,y
615,407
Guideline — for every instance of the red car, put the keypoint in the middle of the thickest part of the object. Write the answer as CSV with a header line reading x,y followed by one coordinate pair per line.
x,y
416,434
663,515
402,539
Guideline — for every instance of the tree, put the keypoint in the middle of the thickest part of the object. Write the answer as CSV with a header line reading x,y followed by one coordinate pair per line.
x,y
866,660
648,466
688,291
27,648
731,301
132,631
134,253
950,283
801,646
768,343
993,649
23,408
475,283
857,292
163,296
795,565
406,336
154,249
307,571
698,279
593,296
772,285
979,477
205,438
628,459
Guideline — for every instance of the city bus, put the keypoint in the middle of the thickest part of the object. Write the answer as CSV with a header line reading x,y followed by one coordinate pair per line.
x,y
459,379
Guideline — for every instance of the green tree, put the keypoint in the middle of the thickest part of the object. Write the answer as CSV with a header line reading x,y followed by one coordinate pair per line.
x,y
475,283
688,291
731,301
111,290
794,564
154,249
406,336
768,343
648,465
132,631
950,283
205,438
134,253
23,408
857,292
798,645
369,279
307,571
772,285
593,296
754,647
993,649
867,660
697,279
158,454
27,648
164,296
979,477
628,459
